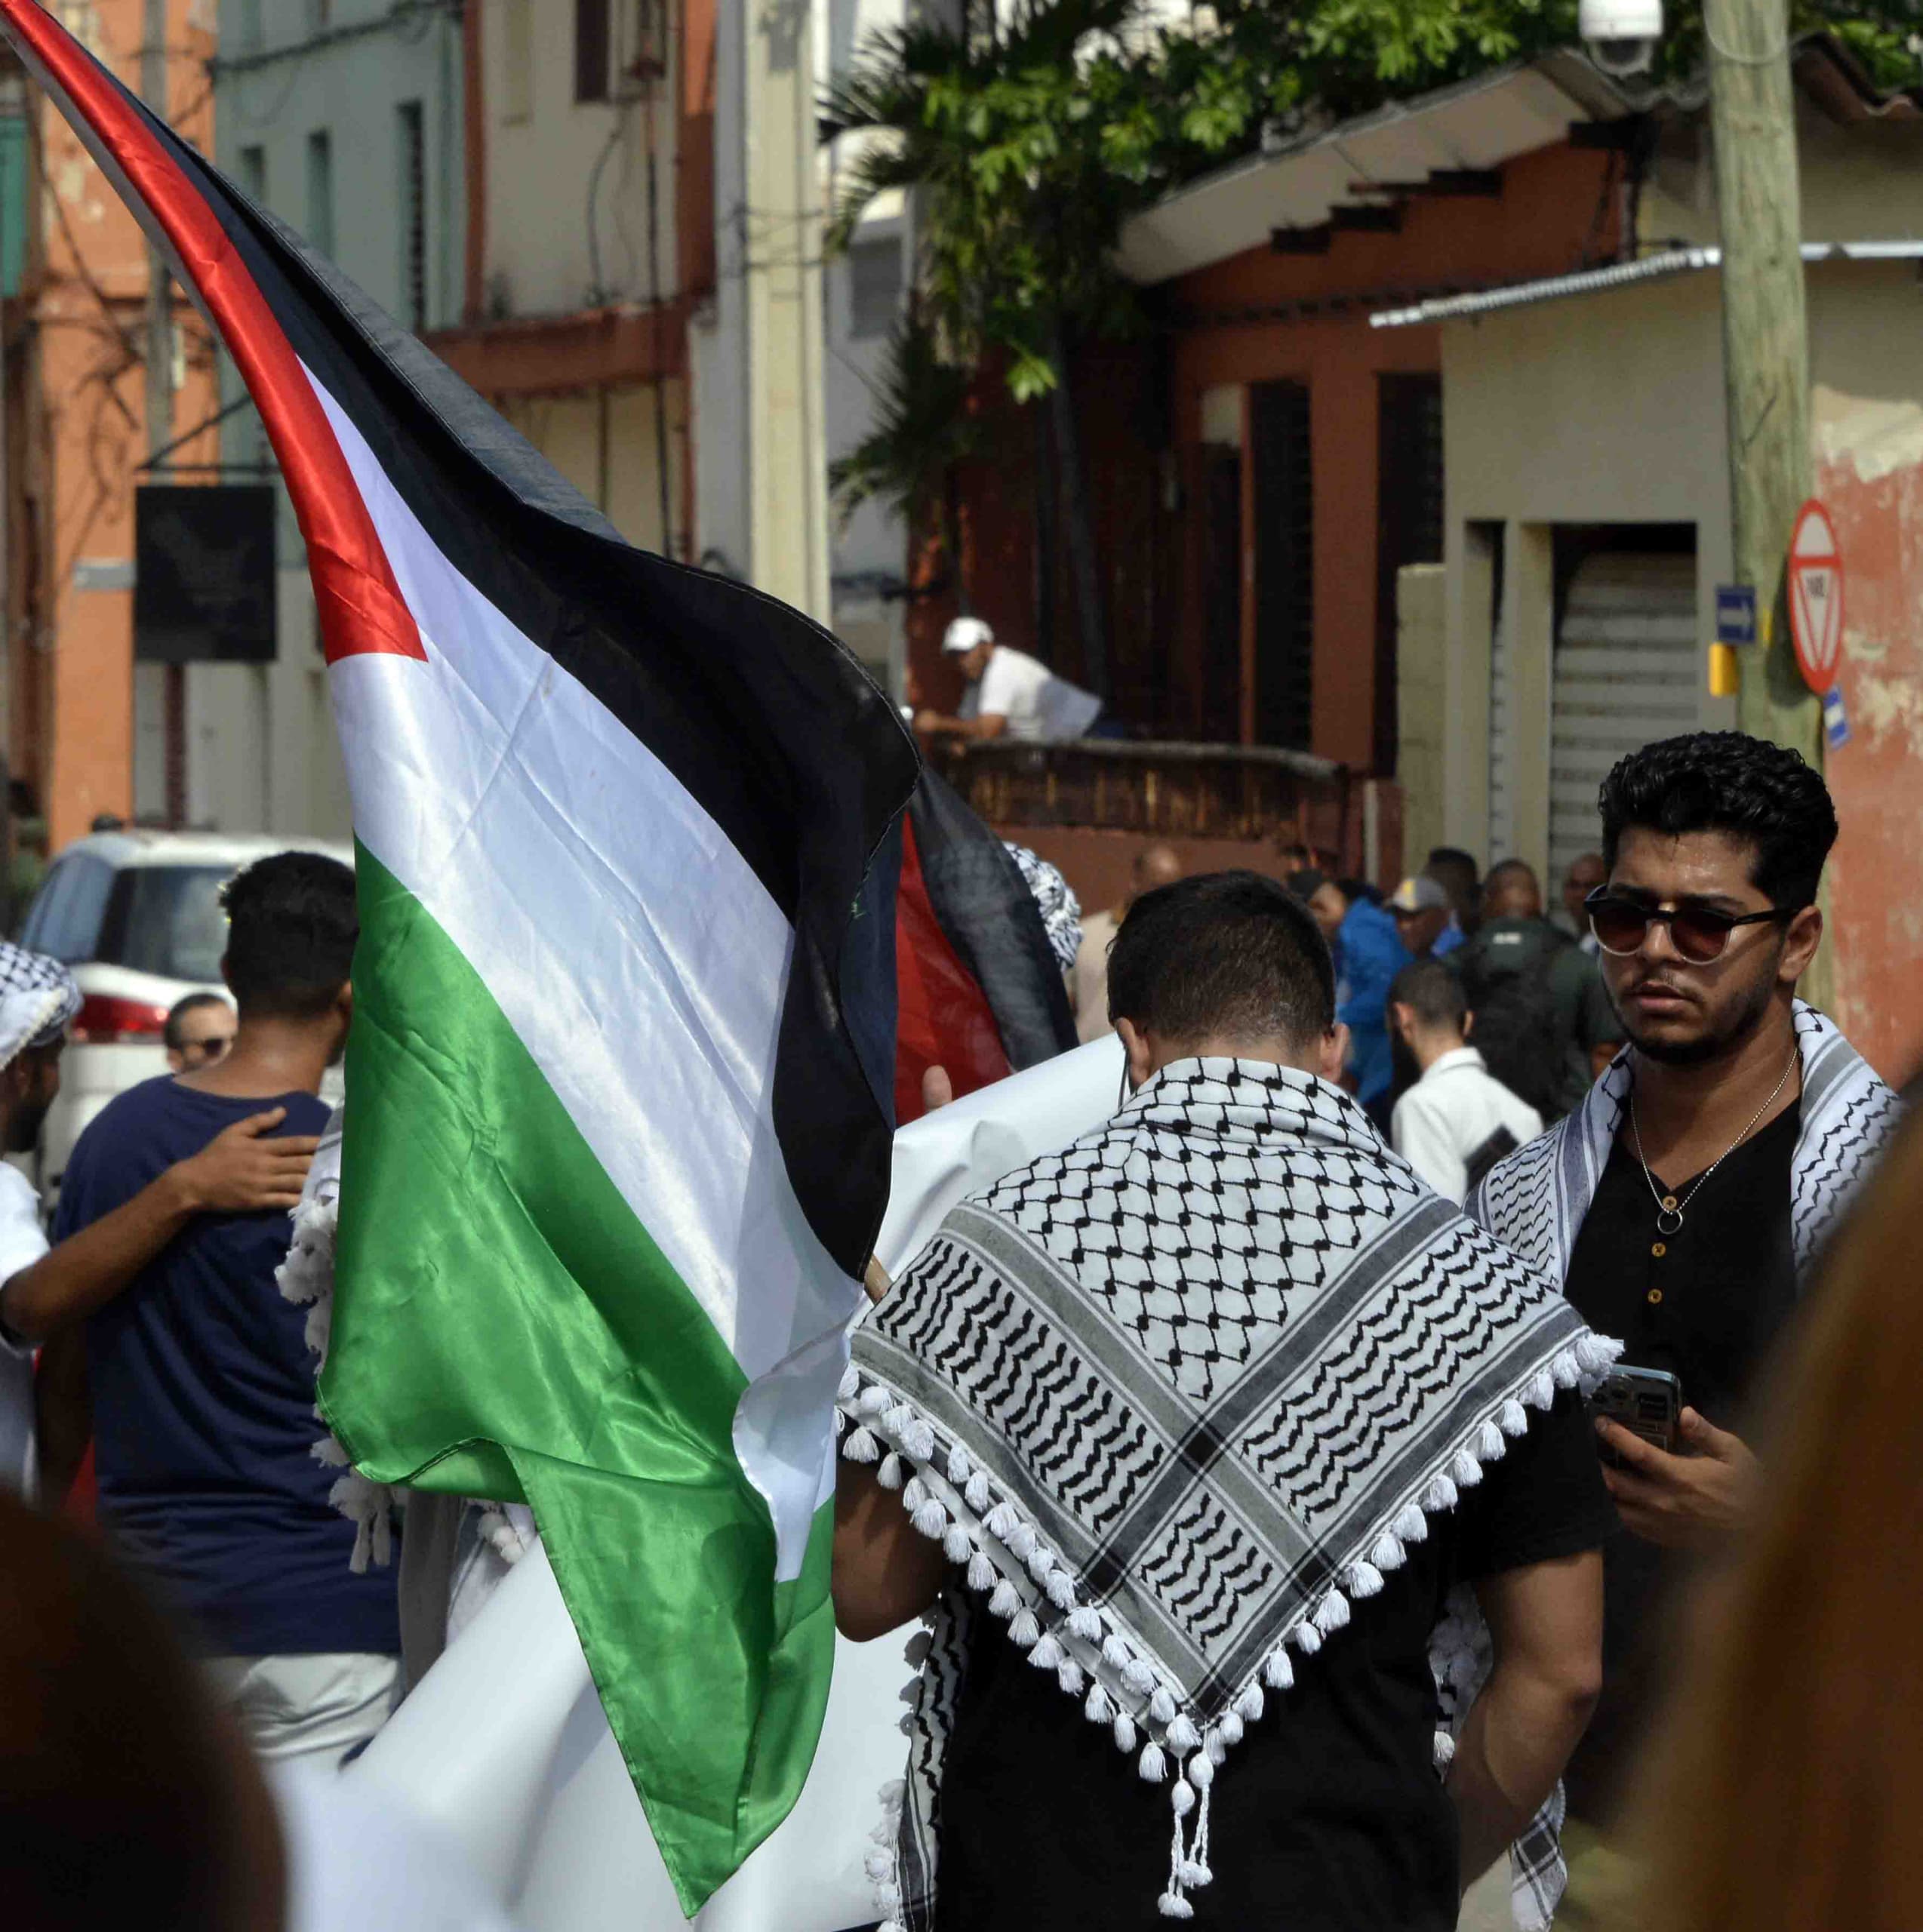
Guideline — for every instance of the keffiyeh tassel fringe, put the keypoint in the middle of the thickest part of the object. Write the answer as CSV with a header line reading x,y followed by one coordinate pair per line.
x,y
951,1503
305,1278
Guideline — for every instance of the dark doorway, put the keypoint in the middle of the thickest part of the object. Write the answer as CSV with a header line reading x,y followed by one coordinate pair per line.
x,y
1220,697
1284,545
1408,521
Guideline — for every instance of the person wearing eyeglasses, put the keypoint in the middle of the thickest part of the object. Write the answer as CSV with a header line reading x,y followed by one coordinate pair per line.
x,y
199,1030
1683,1203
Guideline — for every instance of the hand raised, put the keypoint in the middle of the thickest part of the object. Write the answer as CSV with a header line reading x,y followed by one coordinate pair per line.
x,y
242,1171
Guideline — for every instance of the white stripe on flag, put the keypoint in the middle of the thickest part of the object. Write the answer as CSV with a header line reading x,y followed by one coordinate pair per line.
x,y
633,950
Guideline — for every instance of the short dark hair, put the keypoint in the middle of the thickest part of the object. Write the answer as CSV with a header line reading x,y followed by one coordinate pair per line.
x,y
1518,868
191,1003
291,927
1432,992
1227,952
1444,860
1726,781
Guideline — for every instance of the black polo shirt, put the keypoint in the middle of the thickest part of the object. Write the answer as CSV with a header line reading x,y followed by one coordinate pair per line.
x,y
1708,1309
1328,1816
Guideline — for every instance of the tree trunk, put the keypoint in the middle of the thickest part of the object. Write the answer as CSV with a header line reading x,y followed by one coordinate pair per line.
x,y
1085,568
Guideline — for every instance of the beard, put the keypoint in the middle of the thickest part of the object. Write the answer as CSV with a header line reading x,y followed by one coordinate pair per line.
x,y
1720,1035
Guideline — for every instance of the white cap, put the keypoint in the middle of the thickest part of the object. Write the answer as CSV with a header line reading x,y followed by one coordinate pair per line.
x,y
964,634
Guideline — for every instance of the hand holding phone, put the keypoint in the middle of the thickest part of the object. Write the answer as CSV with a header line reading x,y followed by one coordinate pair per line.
x,y
1646,1401
1695,1498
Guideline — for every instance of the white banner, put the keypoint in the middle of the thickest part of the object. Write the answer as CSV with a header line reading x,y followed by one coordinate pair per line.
x,y
503,1745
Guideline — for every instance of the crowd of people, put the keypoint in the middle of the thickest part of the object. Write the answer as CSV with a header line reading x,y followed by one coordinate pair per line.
x,y
1227,1403
1380,1388
1460,1065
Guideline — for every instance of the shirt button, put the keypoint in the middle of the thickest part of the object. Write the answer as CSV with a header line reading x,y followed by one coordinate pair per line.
x,y
1659,1249
1655,1297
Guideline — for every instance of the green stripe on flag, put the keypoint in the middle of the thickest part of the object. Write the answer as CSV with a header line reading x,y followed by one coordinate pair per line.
x,y
504,1327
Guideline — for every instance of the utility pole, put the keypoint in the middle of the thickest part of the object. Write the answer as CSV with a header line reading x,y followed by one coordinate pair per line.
x,y
1766,361
1765,343
160,401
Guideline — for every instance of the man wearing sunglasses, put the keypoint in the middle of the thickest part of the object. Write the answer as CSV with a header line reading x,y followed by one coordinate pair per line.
x,y
1682,1204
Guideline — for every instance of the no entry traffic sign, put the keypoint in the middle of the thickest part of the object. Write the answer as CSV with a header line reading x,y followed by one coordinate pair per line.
x,y
1816,597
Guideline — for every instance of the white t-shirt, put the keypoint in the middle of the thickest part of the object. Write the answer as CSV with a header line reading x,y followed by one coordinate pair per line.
x,y
23,1241
1037,704
1451,1114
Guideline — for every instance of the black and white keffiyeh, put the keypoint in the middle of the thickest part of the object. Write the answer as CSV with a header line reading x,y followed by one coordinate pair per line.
x,y
1175,1398
38,1001
1054,900
1534,1202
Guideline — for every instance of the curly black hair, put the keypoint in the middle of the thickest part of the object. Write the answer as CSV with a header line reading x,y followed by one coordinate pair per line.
x,y
1726,781
291,927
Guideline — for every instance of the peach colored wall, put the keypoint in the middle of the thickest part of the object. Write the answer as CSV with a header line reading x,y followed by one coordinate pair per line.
x,y
76,738
1545,218
1876,876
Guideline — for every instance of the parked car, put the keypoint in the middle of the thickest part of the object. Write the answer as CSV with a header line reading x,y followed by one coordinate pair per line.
x,y
137,916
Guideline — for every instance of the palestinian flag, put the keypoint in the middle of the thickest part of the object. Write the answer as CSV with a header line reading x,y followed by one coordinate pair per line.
x,y
981,991
618,1138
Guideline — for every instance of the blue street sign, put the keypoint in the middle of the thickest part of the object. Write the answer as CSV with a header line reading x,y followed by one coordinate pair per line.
x,y
1735,613
1836,719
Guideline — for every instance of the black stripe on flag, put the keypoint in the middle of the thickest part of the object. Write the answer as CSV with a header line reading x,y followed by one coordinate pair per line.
x,y
765,718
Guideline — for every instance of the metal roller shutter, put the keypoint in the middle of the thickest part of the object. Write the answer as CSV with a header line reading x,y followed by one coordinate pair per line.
x,y
1627,670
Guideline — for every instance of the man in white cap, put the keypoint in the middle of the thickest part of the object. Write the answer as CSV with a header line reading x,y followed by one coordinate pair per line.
x,y
1425,920
1009,693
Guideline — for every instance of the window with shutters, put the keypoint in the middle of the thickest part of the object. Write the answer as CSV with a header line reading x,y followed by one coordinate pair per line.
x,y
1285,537
320,192
593,67
875,286
1408,520
412,208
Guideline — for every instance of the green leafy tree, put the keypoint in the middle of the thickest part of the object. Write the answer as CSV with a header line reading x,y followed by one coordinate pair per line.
x,y
1029,133
1002,133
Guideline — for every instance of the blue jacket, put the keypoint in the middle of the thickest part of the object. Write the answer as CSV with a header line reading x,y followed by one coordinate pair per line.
x,y
1369,953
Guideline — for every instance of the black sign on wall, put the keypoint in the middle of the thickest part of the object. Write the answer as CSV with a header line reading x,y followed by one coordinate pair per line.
x,y
203,558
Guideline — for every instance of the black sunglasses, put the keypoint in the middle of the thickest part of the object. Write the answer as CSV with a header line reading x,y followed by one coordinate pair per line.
x,y
1698,933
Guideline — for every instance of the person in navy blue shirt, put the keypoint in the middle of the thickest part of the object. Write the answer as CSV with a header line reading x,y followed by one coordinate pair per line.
x,y
201,1384
1368,954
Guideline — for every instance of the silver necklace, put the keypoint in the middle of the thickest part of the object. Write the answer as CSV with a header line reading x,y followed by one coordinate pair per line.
x,y
1668,1209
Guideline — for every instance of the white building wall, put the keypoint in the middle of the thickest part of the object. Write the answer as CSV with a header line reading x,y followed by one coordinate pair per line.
x,y
262,752
1605,409
567,180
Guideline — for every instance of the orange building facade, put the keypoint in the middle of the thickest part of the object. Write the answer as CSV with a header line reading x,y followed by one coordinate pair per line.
x,y
77,431
1262,460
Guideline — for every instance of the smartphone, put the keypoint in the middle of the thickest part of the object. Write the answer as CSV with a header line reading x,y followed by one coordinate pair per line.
x,y
1646,1401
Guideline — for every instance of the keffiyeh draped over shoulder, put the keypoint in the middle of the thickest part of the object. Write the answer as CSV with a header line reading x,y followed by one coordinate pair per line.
x,y
38,1001
1535,1201
1175,1398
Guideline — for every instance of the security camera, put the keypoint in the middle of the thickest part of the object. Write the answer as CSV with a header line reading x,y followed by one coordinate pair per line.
x,y
1621,34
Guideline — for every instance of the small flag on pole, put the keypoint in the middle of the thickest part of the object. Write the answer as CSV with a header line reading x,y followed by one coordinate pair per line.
x,y
617,1141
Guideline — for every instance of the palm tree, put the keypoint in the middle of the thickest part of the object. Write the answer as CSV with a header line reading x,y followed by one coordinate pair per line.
x,y
999,133
922,430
